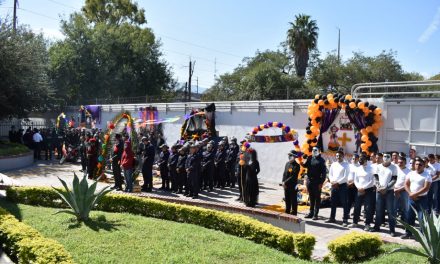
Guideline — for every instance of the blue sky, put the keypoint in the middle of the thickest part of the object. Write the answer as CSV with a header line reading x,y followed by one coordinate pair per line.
x,y
226,31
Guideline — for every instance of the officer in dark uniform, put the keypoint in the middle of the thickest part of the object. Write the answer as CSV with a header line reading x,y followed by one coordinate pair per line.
x,y
193,171
181,171
231,159
316,174
220,165
240,173
118,148
163,167
172,168
208,168
147,157
290,181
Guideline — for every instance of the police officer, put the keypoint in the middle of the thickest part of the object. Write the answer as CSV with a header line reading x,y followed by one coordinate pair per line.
x,y
163,167
147,153
231,159
208,168
181,171
172,168
316,174
290,181
193,171
220,165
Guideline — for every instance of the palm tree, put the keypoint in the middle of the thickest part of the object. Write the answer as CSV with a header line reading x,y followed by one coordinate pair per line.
x,y
302,37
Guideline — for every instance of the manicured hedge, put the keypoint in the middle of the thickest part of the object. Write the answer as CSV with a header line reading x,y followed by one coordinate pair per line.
x,y
300,245
355,247
26,245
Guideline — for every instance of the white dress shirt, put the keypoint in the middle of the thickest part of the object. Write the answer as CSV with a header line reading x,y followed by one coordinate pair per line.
x,y
339,172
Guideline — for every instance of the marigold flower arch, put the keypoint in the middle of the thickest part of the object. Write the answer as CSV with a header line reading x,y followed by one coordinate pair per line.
x,y
370,115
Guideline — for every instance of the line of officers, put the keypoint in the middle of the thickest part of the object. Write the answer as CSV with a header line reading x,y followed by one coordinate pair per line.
x,y
188,168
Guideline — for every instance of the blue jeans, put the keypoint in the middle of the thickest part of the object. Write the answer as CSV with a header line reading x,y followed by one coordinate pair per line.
x,y
128,175
420,205
339,195
401,203
367,199
433,197
382,202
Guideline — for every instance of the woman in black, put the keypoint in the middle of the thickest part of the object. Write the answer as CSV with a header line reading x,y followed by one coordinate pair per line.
x,y
251,188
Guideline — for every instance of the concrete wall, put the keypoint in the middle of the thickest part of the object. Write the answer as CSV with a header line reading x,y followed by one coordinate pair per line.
x,y
16,162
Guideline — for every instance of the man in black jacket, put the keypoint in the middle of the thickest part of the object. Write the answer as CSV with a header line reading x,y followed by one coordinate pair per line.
x,y
290,181
181,171
172,168
147,156
231,159
316,174
208,168
193,171
163,167
118,148
220,165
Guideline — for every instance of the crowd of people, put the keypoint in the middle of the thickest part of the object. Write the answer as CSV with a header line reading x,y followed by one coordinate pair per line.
x,y
381,183
390,183
187,167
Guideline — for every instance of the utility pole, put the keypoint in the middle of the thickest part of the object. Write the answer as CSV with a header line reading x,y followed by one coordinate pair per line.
x,y
215,68
185,92
339,45
191,71
14,19
197,84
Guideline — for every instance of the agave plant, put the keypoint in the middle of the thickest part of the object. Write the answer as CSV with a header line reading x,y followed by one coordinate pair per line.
x,y
428,236
82,198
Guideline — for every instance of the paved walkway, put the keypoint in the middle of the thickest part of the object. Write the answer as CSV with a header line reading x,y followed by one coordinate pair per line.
x,y
46,173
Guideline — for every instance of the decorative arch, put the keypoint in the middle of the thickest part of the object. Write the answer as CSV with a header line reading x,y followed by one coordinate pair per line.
x,y
107,145
287,135
323,110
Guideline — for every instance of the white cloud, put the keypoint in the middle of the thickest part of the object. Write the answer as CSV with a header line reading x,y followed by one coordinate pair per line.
x,y
432,28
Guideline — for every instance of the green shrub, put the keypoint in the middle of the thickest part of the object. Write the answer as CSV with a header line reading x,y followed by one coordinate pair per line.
x,y
300,245
26,245
10,149
354,247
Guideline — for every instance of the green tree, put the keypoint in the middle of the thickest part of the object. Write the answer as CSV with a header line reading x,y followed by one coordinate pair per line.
x,y
108,54
24,81
266,76
302,37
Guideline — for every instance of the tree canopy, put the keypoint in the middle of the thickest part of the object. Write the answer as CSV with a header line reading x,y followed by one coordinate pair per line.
x,y
108,54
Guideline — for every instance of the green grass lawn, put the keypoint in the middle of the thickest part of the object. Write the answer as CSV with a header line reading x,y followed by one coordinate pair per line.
x,y
126,238
8,149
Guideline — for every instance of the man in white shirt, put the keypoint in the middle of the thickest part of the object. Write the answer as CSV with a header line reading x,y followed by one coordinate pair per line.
x,y
338,177
385,180
433,195
364,182
400,195
37,139
394,158
417,185
352,190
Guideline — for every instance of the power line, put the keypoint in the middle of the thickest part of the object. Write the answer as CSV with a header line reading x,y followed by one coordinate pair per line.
x,y
38,14
197,57
62,4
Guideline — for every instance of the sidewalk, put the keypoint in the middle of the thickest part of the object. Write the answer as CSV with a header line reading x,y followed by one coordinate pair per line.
x,y
45,173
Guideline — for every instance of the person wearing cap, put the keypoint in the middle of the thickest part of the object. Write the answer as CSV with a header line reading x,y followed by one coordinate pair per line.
x,y
208,168
172,168
386,177
147,153
220,165
316,175
338,177
118,149
289,183
231,159
163,167
181,171
92,157
192,167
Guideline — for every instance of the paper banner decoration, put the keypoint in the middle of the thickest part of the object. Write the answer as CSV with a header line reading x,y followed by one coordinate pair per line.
x,y
95,112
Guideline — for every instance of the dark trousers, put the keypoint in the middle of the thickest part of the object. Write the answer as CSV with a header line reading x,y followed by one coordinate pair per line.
x,y
91,166
147,175
165,178
220,175
382,202
231,175
181,179
37,150
351,196
208,177
193,184
315,198
173,179
367,199
116,172
291,199
339,195
434,197
421,206
84,164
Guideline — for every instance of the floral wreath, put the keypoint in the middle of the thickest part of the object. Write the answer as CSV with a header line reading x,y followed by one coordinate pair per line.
x,y
287,135
372,119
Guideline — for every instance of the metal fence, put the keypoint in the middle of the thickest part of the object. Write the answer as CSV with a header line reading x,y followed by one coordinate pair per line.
x,y
389,90
5,125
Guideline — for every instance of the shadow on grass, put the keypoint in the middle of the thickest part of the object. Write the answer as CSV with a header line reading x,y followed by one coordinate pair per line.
x,y
11,207
97,223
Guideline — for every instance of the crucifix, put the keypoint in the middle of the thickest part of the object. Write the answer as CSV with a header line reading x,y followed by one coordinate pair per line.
x,y
344,139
